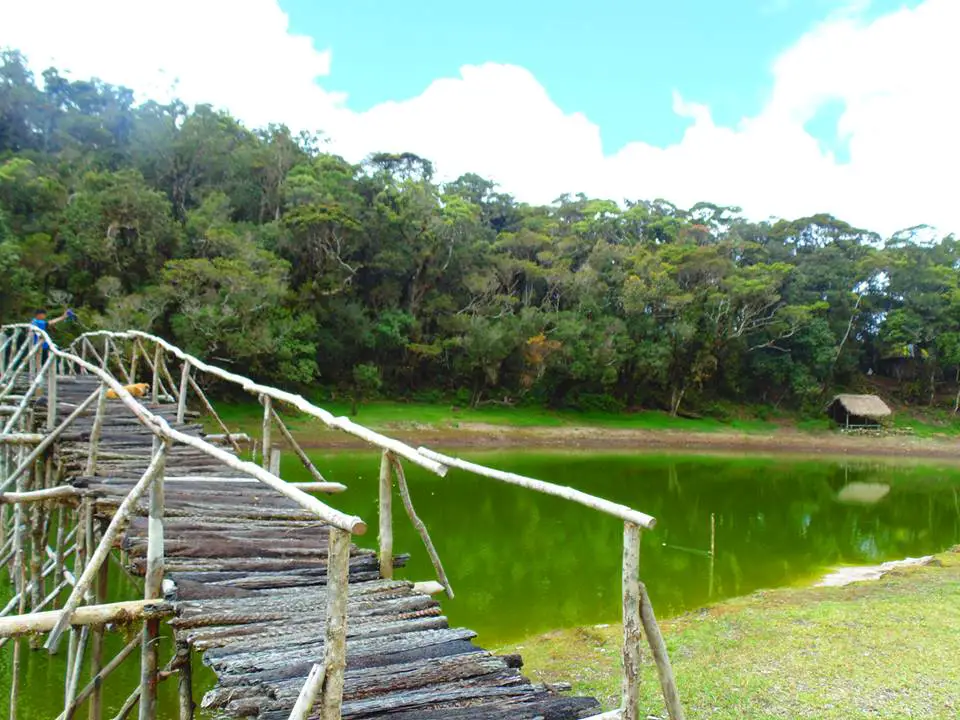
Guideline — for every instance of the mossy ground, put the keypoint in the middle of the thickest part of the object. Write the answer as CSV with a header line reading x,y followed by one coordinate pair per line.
x,y
879,649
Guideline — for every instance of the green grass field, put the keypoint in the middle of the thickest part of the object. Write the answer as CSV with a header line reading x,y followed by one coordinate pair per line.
x,y
878,649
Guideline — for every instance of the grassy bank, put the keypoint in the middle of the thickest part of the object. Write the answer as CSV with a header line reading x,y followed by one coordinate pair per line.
x,y
878,649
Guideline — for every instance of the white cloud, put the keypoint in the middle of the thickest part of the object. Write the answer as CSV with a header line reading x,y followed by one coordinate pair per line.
x,y
893,76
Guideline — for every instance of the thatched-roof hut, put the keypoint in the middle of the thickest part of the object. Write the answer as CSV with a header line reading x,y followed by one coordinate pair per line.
x,y
858,410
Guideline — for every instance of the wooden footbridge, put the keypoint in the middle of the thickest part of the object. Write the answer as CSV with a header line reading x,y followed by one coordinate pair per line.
x,y
256,574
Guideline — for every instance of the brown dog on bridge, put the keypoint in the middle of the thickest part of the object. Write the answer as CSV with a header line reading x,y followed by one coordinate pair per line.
x,y
137,390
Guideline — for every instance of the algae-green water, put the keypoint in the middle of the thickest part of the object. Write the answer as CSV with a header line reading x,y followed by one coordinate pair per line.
x,y
523,563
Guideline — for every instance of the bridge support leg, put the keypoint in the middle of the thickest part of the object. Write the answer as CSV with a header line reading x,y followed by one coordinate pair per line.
x,y
631,621
386,516
335,651
153,588
185,681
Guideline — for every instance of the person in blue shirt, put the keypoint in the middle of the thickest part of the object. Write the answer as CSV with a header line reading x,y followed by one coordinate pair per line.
x,y
40,321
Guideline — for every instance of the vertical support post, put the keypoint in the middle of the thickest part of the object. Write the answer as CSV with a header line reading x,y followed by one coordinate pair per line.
x,y
52,395
58,550
713,551
96,646
20,580
184,682
267,404
651,629
184,388
335,647
275,461
155,388
386,516
134,357
631,621
95,431
152,586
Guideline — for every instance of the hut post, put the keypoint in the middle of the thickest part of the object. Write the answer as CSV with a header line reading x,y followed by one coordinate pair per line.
x,y
631,621
184,388
385,536
153,585
335,646
267,405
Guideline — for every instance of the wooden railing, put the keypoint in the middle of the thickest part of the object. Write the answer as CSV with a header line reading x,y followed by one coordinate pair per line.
x,y
133,354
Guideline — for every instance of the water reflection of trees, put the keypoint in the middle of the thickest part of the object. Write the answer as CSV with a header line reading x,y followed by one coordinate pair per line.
x,y
522,562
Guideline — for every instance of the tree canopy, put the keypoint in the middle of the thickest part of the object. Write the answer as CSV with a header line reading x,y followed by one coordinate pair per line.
x,y
255,248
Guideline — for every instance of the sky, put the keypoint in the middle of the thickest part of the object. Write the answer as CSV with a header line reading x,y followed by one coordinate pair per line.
x,y
784,108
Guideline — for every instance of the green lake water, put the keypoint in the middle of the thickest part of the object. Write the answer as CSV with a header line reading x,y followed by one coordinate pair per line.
x,y
522,563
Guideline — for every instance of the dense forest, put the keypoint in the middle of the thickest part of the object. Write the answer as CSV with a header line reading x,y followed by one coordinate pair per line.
x,y
256,249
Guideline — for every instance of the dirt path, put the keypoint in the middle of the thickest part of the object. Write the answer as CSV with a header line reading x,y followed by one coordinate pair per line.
x,y
785,441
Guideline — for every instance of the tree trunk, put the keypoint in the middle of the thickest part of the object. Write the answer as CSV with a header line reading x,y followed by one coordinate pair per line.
x,y
676,397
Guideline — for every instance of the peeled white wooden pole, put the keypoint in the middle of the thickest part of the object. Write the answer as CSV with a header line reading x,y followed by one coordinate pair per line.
x,y
85,615
96,431
51,393
25,400
295,446
668,684
419,525
50,439
184,388
386,516
335,647
267,404
631,621
153,588
156,375
308,694
623,512
210,409
103,549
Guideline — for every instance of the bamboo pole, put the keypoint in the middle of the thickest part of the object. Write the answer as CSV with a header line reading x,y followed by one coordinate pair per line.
x,y
103,549
295,446
631,622
620,511
184,388
73,673
335,640
50,439
308,694
419,525
17,364
386,516
153,368
184,682
93,351
267,445
58,553
153,587
209,407
668,684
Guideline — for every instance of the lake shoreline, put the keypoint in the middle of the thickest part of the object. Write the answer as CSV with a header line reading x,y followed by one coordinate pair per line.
x,y
779,442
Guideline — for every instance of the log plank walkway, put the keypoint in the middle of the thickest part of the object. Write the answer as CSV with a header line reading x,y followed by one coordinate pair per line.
x,y
246,569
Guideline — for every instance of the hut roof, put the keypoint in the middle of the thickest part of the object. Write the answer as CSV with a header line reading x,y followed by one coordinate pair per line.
x,y
869,406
